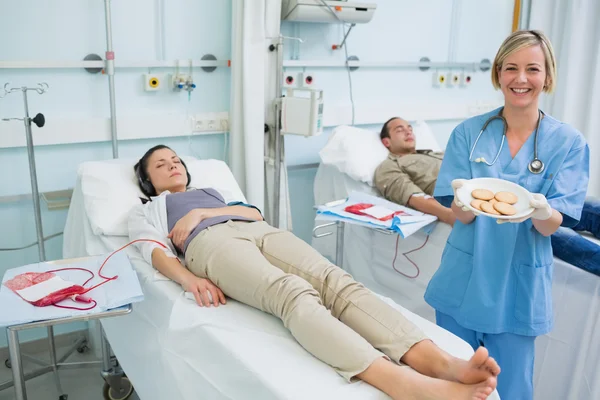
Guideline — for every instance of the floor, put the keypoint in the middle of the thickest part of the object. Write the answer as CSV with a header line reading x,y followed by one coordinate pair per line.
x,y
83,383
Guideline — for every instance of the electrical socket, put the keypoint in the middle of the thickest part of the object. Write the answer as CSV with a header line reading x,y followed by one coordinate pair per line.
x,y
211,125
465,79
289,80
152,82
439,79
198,125
452,79
306,79
224,125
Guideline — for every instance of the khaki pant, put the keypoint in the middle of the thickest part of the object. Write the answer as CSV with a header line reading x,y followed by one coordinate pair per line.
x,y
278,273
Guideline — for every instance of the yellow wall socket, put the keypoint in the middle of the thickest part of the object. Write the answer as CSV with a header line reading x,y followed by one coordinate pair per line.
x,y
152,82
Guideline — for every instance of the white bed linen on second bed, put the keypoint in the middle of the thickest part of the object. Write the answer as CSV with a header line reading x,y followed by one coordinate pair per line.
x,y
567,358
172,349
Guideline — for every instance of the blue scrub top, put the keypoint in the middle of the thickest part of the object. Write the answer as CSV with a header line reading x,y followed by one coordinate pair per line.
x,y
497,278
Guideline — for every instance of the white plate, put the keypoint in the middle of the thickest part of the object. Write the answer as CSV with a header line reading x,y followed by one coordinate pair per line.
x,y
495,185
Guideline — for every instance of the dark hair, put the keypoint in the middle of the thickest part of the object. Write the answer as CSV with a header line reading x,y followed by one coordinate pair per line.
x,y
385,132
141,171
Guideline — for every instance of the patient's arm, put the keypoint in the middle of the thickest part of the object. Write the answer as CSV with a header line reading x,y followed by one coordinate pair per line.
x,y
187,223
433,207
172,269
241,211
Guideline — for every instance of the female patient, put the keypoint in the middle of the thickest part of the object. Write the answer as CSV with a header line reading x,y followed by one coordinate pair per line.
x,y
229,250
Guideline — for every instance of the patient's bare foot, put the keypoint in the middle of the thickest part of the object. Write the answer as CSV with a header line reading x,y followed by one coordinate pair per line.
x,y
421,387
480,367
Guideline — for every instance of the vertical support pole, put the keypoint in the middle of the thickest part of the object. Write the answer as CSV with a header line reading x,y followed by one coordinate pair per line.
x,y
52,349
110,71
16,364
106,367
278,138
339,245
33,178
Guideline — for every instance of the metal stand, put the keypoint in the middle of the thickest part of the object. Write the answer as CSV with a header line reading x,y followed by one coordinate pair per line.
x,y
117,386
278,46
39,120
339,241
110,71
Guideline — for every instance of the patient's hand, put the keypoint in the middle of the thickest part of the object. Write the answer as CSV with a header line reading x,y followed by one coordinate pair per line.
x,y
185,226
200,288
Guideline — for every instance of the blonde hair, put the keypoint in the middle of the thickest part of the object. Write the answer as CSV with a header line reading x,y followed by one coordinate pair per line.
x,y
519,40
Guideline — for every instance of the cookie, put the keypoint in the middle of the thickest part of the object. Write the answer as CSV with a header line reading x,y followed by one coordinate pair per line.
x,y
505,208
482,194
493,201
506,197
488,208
476,204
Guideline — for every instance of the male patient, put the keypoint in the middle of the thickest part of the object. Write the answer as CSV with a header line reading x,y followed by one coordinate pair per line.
x,y
408,176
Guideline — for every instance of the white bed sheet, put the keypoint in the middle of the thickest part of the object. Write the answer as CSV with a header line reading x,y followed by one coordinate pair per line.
x,y
567,359
172,349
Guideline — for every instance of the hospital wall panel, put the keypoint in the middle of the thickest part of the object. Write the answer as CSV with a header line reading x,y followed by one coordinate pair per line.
x,y
400,33
77,103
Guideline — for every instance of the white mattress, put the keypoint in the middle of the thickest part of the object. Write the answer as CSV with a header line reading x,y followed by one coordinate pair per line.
x,y
172,349
567,359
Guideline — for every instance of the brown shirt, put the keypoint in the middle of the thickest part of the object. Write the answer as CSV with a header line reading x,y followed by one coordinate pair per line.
x,y
399,177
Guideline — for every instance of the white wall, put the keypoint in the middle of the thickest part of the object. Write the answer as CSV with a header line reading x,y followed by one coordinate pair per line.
x,y
401,31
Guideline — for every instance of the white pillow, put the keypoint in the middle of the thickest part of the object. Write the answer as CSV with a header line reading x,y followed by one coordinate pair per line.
x,y
110,189
358,152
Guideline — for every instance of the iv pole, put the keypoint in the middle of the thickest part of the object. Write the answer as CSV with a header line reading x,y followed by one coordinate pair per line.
x,y
39,120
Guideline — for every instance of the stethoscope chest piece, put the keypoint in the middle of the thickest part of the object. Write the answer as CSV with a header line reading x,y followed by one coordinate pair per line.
x,y
536,166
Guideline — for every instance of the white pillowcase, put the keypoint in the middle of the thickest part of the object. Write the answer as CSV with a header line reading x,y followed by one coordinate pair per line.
x,y
358,152
110,189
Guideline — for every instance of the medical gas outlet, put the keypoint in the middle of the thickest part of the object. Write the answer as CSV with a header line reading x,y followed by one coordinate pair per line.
x,y
182,82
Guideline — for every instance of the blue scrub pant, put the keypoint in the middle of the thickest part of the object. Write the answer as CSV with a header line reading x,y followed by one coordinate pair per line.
x,y
514,354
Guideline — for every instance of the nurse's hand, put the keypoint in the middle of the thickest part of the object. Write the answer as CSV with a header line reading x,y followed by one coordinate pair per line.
x,y
457,184
542,210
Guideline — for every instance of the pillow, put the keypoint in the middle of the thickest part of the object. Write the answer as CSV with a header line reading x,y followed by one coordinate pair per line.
x,y
110,189
358,152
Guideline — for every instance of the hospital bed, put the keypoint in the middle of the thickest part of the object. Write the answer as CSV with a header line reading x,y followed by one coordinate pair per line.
x,y
567,359
172,349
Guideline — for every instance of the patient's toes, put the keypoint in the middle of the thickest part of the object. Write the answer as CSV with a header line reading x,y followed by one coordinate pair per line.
x,y
479,358
492,366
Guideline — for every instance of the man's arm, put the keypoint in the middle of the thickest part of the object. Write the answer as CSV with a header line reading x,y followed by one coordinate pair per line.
x,y
429,205
396,186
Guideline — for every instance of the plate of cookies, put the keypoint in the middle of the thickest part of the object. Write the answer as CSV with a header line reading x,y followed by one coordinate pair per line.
x,y
496,198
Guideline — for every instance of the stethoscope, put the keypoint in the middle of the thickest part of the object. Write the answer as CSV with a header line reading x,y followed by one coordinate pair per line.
x,y
536,166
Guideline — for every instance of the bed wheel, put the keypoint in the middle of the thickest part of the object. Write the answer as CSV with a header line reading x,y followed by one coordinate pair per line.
x,y
110,394
7,363
63,397
82,348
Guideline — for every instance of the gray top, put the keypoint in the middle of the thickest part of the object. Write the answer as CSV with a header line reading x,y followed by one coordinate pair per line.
x,y
179,204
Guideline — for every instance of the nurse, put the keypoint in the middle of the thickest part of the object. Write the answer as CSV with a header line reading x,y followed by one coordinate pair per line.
x,y
493,286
